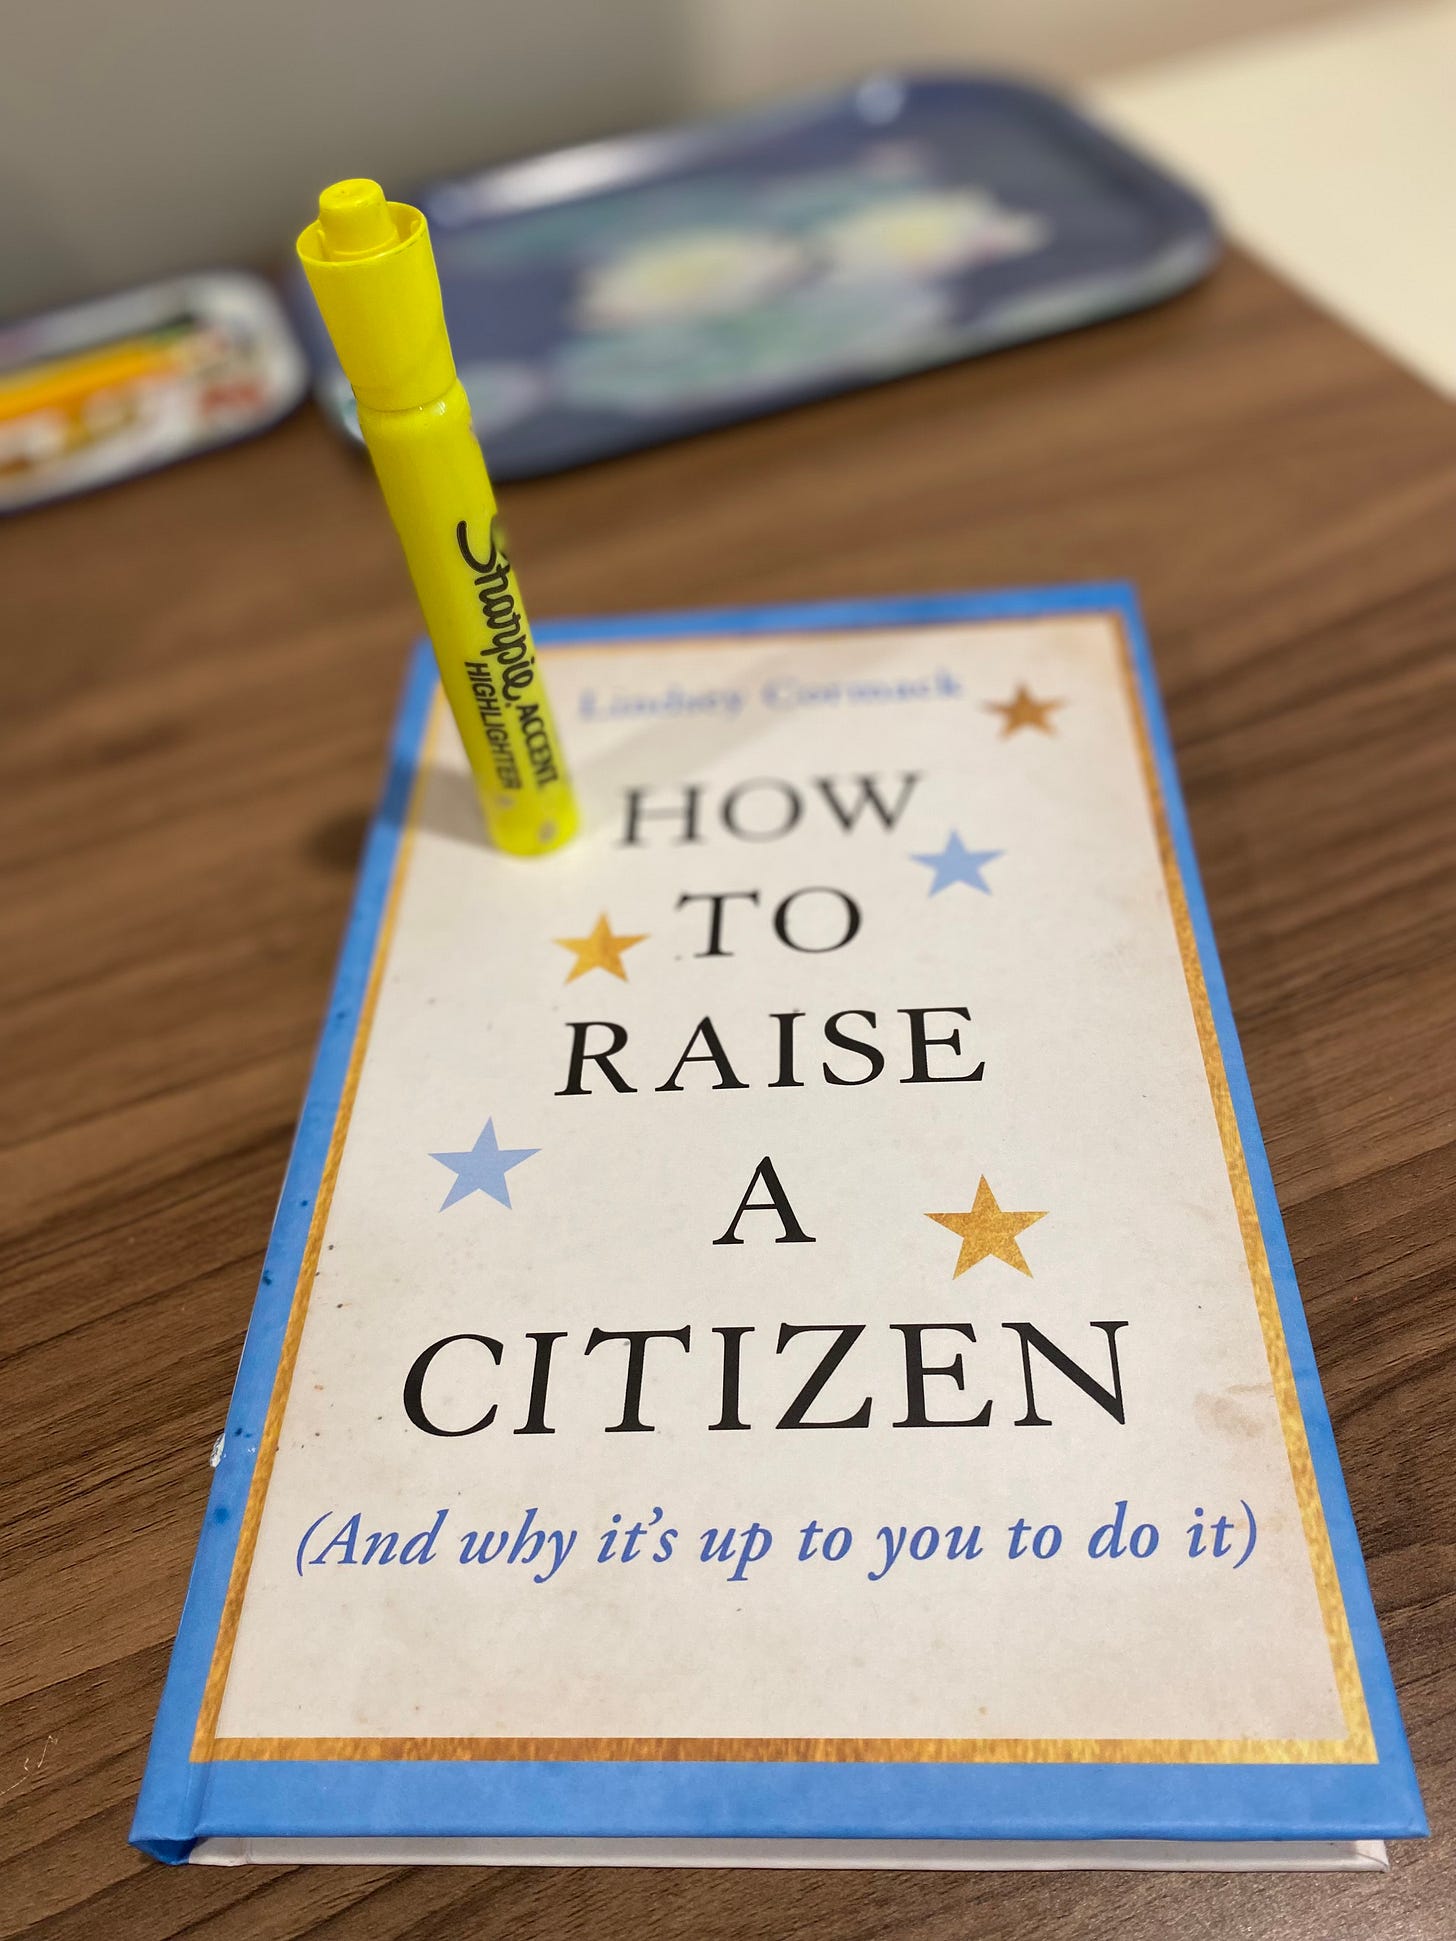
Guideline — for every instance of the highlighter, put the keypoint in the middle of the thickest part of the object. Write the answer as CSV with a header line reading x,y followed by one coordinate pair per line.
x,y
372,271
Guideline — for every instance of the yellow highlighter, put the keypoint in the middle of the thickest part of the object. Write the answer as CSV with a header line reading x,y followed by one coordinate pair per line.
x,y
372,272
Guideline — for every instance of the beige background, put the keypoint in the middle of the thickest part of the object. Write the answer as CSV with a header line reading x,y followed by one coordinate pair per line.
x,y
1095,1107
1331,152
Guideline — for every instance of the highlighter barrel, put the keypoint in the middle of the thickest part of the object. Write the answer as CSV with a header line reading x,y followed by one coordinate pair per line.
x,y
372,272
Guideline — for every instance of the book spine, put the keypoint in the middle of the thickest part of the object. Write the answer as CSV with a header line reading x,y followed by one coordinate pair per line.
x,y
169,1816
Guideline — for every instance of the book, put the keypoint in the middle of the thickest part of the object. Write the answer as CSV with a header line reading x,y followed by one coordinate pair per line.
x,y
778,1344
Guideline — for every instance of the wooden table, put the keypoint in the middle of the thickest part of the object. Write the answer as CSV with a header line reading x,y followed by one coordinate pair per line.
x,y
198,675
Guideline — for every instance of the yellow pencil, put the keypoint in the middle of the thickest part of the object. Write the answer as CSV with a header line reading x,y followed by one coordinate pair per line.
x,y
372,272
68,383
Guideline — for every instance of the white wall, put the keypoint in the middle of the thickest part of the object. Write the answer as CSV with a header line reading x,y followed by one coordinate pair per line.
x,y
141,136
748,50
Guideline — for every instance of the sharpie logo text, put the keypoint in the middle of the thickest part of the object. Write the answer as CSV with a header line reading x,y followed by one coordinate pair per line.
x,y
510,649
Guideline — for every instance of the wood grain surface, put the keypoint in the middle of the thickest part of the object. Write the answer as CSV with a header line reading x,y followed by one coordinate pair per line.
x,y
197,675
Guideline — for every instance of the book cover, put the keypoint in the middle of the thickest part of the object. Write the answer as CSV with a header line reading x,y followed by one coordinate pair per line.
x,y
778,1343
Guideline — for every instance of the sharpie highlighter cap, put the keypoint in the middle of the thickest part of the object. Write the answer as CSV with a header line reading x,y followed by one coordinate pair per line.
x,y
372,272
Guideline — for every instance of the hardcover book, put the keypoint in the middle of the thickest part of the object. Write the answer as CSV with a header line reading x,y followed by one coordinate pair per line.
x,y
778,1344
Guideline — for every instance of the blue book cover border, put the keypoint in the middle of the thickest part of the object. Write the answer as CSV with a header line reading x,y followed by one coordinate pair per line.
x,y
183,1801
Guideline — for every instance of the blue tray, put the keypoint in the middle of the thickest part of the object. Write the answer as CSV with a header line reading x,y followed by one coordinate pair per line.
x,y
613,296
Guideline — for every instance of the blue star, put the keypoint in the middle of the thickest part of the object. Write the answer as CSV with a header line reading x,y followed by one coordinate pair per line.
x,y
957,864
483,1169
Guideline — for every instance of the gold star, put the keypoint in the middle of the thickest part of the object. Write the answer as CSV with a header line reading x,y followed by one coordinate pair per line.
x,y
600,951
1023,710
988,1230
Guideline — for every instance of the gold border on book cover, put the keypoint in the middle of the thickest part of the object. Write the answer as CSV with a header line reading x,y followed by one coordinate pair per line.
x,y
1358,1745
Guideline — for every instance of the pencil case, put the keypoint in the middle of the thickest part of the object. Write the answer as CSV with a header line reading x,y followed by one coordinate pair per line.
x,y
101,391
